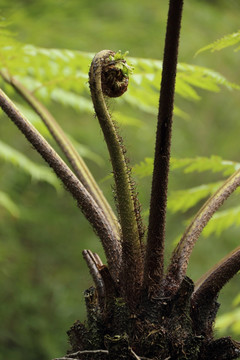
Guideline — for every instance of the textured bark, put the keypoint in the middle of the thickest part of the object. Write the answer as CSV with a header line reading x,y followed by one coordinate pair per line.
x,y
161,328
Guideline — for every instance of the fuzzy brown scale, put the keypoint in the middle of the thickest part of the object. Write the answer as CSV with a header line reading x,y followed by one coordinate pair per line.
x,y
114,82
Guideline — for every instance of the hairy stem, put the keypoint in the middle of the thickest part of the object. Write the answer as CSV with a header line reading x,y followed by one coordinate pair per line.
x,y
157,218
103,75
180,258
87,204
78,164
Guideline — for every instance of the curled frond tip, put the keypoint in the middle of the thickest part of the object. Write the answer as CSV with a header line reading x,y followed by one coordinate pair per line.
x,y
115,74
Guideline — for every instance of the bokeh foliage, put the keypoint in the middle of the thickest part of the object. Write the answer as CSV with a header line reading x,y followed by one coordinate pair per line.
x,y
41,268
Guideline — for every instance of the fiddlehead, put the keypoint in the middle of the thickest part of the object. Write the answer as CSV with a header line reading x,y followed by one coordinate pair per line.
x,y
108,76
114,81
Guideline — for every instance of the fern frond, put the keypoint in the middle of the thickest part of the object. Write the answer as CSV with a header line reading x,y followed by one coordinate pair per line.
x,y
34,119
37,172
61,75
68,98
223,220
199,164
144,168
183,200
83,150
225,41
204,78
86,152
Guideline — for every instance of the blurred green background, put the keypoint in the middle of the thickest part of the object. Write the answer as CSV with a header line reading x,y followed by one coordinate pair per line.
x,y
42,273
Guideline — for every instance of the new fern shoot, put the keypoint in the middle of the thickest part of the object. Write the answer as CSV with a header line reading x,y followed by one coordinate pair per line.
x,y
136,309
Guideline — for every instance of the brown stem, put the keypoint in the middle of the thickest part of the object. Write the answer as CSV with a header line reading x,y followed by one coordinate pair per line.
x,y
210,284
105,78
85,201
98,260
157,218
78,164
180,258
204,304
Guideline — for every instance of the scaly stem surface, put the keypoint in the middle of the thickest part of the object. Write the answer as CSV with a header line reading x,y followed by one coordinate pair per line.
x,y
78,164
131,246
156,230
180,258
89,207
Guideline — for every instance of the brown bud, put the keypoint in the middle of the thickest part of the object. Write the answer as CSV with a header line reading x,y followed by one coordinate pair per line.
x,y
114,82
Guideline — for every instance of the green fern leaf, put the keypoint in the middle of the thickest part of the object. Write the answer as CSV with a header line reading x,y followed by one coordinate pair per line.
x,y
201,164
62,75
226,41
83,150
37,172
75,101
34,119
198,164
223,220
183,200
204,78
144,169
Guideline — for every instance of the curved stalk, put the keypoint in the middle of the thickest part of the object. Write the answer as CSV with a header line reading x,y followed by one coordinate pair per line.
x,y
210,284
78,164
180,258
204,304
105,76
154,264
87,204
